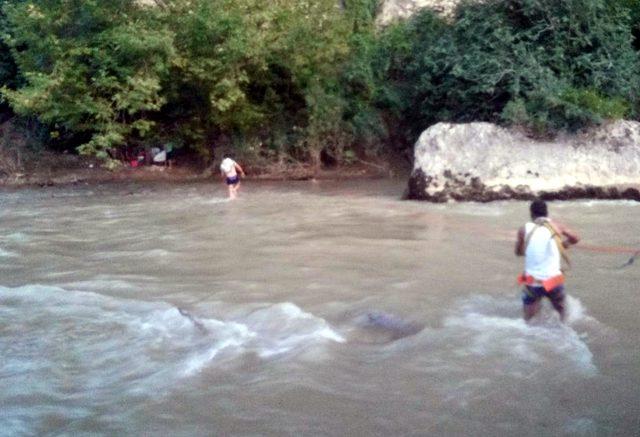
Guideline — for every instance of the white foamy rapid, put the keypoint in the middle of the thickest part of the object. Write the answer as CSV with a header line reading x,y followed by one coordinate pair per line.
x,y
6,253
15,237
215,201
493,329
129,346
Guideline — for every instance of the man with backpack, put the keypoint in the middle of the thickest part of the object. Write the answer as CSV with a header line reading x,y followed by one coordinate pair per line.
x,y
543,242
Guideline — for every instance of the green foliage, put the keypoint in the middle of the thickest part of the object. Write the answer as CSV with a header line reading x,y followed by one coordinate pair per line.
x,y
87,67
301,79
632,8
205,85
361,13
8,68
224,85
309,44
542,63
570,108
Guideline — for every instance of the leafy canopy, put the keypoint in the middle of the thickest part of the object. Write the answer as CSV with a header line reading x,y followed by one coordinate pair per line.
x,y
298,79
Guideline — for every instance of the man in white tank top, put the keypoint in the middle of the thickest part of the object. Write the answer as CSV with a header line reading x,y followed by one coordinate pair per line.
x,y
229,170
542,242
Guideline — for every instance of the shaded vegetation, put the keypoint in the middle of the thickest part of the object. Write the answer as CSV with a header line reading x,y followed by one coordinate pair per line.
x,y
544,64
296,80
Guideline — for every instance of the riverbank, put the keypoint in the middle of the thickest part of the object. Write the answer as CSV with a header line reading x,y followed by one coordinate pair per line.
x,y
72,170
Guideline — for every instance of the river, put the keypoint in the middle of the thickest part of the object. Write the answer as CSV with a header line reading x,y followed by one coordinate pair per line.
x,y
306,308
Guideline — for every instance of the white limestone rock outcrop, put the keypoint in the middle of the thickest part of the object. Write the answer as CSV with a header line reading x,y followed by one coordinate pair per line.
x,y
485,162
392,10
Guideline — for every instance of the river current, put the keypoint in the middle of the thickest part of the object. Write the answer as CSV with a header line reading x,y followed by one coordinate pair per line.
x,y
306,308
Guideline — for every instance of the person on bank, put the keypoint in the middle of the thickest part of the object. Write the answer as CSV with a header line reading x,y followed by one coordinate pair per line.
x,y
231,172
543,243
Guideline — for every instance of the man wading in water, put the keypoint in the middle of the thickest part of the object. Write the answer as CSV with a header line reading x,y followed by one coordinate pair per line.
x,y
543,242
230,169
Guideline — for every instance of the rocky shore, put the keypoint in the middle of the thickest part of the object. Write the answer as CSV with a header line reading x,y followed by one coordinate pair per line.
x,y
484,162
84,171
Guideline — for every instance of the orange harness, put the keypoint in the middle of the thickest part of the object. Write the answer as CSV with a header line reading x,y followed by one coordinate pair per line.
x,y
547,284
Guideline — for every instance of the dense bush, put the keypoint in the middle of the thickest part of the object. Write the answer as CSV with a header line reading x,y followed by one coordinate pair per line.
x,y
297,79
544,64
258,74
88,68
188,71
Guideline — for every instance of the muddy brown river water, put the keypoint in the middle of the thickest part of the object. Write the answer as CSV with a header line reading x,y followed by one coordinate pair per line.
x,y
306,308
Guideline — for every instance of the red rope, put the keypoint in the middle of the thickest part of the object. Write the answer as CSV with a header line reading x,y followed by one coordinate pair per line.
x,y
606,249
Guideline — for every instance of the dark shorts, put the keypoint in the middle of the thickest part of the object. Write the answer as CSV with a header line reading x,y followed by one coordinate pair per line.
x,y
233,181
531,294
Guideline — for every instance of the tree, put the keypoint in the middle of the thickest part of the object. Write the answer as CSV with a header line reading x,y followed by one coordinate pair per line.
x,y
544,64
88,67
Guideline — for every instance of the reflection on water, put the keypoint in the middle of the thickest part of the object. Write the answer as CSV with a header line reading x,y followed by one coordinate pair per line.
x,y
328,308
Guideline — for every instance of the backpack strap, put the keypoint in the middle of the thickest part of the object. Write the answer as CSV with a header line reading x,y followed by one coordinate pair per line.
x,y
543,222
527,239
